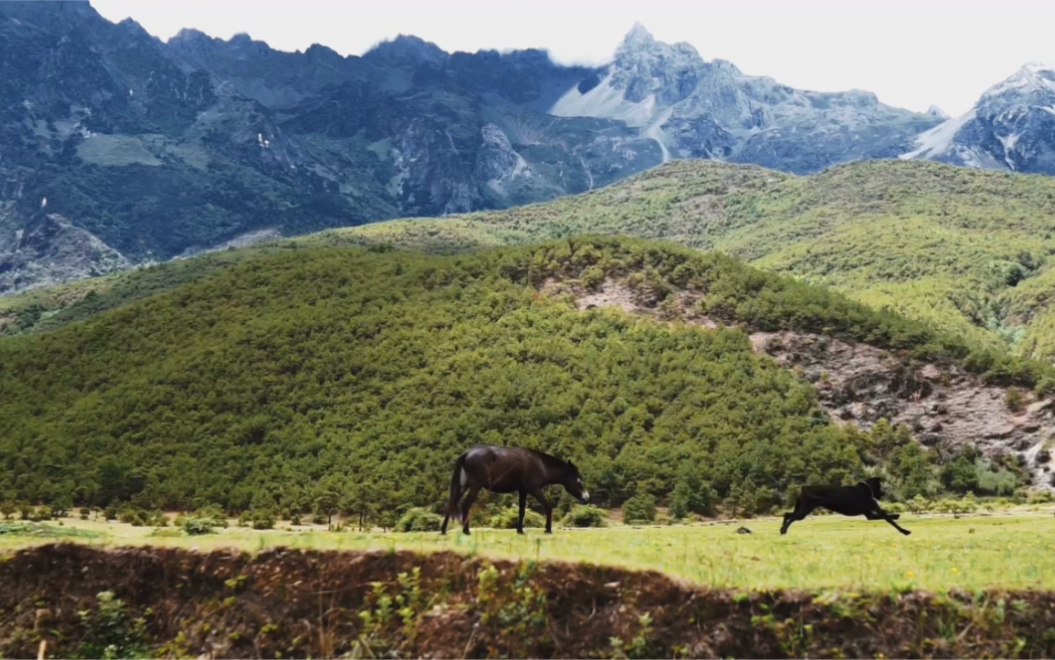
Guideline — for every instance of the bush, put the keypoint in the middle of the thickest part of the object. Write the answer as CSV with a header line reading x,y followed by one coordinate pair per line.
x,y
419,520
640,508
85,512
202,521
507,518
585,516
918,504
1014,399
198,526
1041,497
262,519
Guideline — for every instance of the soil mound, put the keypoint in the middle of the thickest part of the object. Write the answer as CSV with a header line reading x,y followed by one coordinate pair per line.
x,y
284,603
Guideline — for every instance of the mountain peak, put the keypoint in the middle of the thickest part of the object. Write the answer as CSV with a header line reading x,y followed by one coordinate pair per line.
x,y
1033,77
638,34
935,111
407,49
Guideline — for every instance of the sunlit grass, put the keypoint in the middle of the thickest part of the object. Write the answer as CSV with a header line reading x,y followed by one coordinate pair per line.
x,y
1010,551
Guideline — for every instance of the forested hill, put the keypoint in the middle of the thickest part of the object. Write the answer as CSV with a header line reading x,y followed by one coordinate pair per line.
x,y
966,250
364,374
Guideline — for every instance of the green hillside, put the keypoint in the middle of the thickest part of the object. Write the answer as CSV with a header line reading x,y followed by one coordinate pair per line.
x,y
296,372
966,250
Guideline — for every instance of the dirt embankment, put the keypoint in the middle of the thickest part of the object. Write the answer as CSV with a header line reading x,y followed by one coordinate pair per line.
x,y
861,384
328,604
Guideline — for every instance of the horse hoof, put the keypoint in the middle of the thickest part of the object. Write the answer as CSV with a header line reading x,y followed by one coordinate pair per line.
x,y
520,531
549,531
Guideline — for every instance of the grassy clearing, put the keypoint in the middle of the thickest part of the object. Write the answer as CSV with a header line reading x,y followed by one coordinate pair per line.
x,y
1004,550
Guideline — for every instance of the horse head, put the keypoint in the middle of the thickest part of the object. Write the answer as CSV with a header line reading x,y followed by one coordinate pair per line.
x,y
573,484
874,486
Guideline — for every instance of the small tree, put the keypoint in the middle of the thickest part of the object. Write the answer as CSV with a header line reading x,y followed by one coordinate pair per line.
x,y
327,503
679,501
639,508
8,509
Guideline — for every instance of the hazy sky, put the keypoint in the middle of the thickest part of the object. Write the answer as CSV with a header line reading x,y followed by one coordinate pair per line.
x,y
912,53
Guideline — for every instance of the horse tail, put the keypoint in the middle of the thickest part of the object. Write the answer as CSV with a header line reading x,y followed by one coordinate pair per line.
x,y
456,488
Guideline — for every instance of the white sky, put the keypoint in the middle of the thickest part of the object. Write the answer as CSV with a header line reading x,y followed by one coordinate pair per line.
x,y
912,53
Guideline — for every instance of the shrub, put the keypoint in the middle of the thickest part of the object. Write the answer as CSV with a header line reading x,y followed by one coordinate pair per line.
x,y
585,516
85,512
198,526
1014,399
918,504
1041,497
109,631
202,521
262,519
639,508
507,518
419,520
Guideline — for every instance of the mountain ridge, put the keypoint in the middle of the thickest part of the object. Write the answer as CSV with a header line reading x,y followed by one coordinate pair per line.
x,y
160,149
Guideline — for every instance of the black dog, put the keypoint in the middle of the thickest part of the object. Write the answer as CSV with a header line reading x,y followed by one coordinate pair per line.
x,y
857,500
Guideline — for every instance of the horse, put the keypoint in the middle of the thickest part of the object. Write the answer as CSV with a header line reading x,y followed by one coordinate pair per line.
x,y
857,500
509,470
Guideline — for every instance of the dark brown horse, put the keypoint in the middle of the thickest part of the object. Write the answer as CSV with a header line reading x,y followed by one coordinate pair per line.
x,y
509,470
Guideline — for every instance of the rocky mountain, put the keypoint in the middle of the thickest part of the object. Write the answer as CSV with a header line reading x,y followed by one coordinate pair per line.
x,y
149,150
699,109
1011,127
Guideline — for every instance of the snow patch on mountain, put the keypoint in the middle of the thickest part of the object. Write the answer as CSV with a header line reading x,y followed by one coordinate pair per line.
x,y
605,101
937,140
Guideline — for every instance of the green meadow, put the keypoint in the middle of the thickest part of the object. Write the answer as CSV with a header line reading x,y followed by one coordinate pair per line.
x,y
1011,550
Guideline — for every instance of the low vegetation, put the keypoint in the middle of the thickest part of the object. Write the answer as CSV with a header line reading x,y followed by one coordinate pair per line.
x,y
323,381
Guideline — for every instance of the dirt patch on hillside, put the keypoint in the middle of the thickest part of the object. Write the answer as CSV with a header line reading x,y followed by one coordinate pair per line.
x,y
285,603
945,406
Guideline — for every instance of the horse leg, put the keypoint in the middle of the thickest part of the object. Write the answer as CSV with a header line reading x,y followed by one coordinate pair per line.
x,y
474,491
451,506
538,495
802,509
879,514
520,520
872,515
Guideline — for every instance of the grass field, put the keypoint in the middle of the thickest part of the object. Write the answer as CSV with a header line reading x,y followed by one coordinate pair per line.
x,y
1006,550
